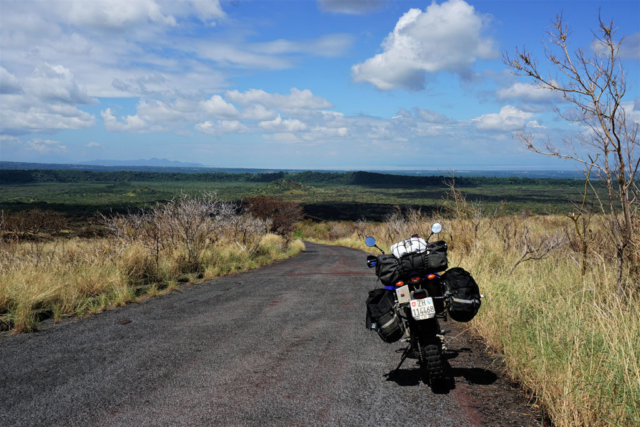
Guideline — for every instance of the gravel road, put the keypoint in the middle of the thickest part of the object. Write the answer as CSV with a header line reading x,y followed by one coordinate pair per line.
x,y
282,345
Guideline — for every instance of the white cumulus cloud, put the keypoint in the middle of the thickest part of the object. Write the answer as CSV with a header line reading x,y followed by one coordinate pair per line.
x,y
284,137
249,110
286,125
258,112
124,14
42,102
291,104
330,45
219,108
132,124
629,47
57,84
527,92
447,36
47,146
431,116
221,127
42,146
326,131
157,111
113,13
8,82
507,120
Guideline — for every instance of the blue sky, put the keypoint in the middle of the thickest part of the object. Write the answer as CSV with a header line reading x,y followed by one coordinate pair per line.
x,y
321,84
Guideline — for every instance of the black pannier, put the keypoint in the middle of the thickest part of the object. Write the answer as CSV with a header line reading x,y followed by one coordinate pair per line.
x,y
390,327
433,260
388,269
436,256
380,311
465,294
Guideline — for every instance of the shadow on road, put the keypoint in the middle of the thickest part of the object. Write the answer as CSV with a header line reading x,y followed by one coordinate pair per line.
x,y
414,376
406,377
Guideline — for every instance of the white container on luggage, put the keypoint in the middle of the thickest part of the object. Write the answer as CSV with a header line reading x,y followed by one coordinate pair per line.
x,y
414,245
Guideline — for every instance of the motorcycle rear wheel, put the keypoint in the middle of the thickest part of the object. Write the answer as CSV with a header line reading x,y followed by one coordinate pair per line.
x,y
431,356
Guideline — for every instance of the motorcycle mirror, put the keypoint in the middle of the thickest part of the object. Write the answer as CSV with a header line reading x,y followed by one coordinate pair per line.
x,y
370,241
436,228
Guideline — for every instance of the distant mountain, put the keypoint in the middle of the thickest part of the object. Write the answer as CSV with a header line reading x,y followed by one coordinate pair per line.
x,y
148,169
154,162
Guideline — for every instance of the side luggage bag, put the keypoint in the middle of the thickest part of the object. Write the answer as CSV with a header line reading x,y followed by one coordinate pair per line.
x,y
388,269
465,294
436,256
380,311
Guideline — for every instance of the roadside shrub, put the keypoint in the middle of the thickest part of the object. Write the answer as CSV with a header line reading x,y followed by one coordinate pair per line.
x,y
295,247
283,215
138,267
316,230
144,254
29,224
339,230
271,244
188,222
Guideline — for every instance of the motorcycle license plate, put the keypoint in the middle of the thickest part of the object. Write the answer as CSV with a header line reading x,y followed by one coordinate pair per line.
x,y
422,309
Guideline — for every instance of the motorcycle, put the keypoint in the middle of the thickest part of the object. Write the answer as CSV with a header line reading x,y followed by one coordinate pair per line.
x,y
418,301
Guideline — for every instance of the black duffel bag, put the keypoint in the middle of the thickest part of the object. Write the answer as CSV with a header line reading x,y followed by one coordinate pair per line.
x,y
433,260
436,255
388,269
381,313
465,294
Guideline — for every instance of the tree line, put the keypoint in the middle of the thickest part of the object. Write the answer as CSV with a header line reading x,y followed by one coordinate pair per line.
x,y
36,176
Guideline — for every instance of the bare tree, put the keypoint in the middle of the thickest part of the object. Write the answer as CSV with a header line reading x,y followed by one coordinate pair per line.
x,y
361,227
195,222
581,217
2,222
508,229
594,86
537,250
248,230
474,220
283,215
395,224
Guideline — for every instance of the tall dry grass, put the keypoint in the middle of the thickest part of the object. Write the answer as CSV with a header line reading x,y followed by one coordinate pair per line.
x,y
147,254
569,339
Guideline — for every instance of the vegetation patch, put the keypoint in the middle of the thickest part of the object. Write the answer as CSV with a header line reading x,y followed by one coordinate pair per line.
x,y
324,196
46,274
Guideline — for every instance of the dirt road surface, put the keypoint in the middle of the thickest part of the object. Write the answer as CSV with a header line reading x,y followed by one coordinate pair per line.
x,y
282,345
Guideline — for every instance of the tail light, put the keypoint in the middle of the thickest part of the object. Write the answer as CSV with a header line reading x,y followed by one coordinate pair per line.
x,y
419,294
415,279
400,283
